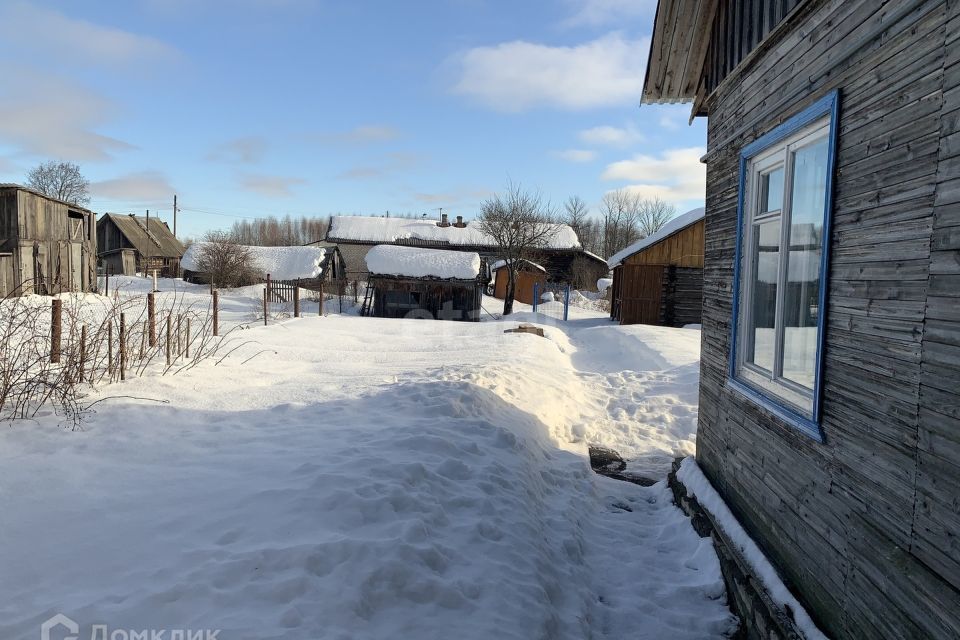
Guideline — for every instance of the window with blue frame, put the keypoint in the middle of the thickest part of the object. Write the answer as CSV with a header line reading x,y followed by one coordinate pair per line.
x,y
780,276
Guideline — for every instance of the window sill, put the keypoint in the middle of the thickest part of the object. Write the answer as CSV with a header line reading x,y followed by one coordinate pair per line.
x,y
804,425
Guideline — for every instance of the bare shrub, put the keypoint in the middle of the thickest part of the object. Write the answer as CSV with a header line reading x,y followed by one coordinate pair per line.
x,y
226,263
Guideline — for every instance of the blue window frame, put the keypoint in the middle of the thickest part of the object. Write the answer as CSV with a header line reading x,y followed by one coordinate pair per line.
x,y
780,272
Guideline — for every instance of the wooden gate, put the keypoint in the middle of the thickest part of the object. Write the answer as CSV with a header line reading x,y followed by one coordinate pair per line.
x,y
641,290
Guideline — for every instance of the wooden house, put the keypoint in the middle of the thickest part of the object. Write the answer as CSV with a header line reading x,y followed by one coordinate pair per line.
x,y
830,375
530,275
410,282
659,280
132,244
562,256
46,246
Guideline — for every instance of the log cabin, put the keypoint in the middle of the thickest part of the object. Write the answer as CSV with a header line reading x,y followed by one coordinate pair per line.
x,y
47,246
830,361
659,279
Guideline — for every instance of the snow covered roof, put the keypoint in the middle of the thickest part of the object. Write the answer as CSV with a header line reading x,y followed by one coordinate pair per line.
x,y
414,262
679,223
282,263
390,230
499,264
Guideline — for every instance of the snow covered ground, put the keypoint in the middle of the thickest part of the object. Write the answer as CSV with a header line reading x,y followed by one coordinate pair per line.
x,y
368,478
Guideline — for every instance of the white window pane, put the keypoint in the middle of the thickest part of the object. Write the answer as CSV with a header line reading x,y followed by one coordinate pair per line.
x,y
763,290
801,296
771,191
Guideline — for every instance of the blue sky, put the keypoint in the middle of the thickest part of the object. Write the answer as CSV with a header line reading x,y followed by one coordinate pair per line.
x,y
313,107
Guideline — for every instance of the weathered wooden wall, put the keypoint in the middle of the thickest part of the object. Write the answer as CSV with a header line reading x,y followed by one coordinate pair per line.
x,y
52,245
682,249
438,299
864,527
682,300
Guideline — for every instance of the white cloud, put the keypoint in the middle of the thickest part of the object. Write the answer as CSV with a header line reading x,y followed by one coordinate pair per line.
x,y
270,186
54,118
594,13
516,76
51,35
675,175
577,155
145,187
359,135
246,150
612,136
391,164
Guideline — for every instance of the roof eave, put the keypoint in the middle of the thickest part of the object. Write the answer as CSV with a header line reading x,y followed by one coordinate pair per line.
x,y
678,49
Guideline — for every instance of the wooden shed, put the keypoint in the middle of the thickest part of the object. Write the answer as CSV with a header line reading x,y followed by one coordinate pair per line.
x,y
529,275
47,246
831,425
408,282
130,244
659,280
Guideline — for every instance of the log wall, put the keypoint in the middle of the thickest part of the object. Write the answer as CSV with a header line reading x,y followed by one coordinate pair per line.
x,y
863,526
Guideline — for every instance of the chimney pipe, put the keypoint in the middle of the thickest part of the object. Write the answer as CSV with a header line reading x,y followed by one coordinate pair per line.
x,y
443,220
460,224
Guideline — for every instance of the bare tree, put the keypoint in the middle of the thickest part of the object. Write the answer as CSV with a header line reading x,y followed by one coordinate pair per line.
x,y
653,213
620,210
227,263
61,180
520,223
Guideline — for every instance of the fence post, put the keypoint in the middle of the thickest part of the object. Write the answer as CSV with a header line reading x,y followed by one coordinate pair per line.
x,y
168,337
320,305
216,316
265,294
83,350
55,329
152,318
355,299
110,348
566,303
296,300
106,284
179,326
143,341
269,287
188,337
123,347
536,295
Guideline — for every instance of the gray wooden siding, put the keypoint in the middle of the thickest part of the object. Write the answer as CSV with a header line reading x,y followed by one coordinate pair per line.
x,y
863,526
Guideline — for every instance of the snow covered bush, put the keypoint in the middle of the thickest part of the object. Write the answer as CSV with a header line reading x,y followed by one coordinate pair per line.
x,y
225,262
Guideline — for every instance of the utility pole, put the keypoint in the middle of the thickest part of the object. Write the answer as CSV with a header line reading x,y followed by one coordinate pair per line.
x,y
174,215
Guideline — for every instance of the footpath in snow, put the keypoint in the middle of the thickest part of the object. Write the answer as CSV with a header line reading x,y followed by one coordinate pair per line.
x,y
367,478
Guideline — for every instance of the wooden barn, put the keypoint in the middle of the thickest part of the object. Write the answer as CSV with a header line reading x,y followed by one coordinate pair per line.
x,y
529,275
659,280
132,244
829,414
408,282
562,256
46,246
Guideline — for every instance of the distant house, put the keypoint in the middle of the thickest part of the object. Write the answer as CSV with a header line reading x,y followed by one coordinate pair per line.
x,y
130,244
46,246
659,280
308,266
356,235
529,275
829,414
411,282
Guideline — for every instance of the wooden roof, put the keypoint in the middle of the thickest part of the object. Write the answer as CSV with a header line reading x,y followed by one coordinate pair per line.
x,y
158,242
678,49
20,187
